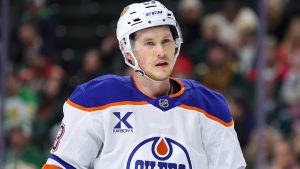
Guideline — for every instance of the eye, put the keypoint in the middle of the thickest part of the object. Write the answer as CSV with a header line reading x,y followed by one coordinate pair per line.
x,y
165,41
149,43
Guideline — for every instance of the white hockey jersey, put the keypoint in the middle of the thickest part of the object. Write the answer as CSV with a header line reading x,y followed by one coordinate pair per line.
x,y
109,124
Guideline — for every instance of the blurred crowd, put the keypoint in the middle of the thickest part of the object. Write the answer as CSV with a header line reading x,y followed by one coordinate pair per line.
x,y
219,50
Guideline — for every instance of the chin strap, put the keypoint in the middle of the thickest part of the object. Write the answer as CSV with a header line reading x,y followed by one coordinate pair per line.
x,y
136,65
143,73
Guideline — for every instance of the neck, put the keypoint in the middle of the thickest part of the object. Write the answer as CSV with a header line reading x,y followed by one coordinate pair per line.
x,y
151,88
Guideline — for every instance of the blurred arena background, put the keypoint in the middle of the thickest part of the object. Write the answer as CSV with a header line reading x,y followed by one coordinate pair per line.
x,y
248,50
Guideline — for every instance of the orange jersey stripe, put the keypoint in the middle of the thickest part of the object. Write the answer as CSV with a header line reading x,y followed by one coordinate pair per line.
x,y
171,95
46,166
227,124
105,106
181,89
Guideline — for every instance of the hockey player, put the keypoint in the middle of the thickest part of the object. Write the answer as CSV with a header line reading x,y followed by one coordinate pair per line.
x,y
148,120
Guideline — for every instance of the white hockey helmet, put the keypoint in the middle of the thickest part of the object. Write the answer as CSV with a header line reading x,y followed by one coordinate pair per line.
x,y
140,16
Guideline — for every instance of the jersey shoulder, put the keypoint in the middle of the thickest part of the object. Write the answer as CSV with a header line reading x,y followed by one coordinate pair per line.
x,y
102,90
213,103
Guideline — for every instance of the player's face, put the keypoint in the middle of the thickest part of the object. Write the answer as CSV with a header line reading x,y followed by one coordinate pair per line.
x,y
154,49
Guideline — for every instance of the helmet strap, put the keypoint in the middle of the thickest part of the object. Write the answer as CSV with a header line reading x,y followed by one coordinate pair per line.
x,y
136,66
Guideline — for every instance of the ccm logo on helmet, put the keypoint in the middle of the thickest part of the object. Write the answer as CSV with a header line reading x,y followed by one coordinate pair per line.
x,y
153,13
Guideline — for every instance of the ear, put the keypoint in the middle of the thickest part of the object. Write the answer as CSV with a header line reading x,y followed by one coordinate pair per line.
x,y
129,58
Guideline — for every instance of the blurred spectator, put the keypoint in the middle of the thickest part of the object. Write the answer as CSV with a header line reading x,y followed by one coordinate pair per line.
x,y
50,111
246,25
184,67
274,15
273,78
37,13
112,58
242,115
272,75
92,67
290,91
291,8
190,14
229,18
219,72
30,44
291,85
226,17
283,156
271,136
40,69
295,140
209,33
290,45
20,153
20,106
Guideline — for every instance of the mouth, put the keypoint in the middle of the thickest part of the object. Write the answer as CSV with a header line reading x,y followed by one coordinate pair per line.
x,y
162,64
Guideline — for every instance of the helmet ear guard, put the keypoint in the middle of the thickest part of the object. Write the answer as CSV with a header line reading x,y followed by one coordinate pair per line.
x,y
134,64
125,47
138,16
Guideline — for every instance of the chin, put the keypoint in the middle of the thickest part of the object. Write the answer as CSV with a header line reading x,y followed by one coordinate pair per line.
x,y
160,76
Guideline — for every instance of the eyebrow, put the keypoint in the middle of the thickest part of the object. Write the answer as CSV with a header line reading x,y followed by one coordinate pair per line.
x,y
168,36
149,39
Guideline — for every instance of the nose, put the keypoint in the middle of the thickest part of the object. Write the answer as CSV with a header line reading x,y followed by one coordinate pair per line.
x,y
160,51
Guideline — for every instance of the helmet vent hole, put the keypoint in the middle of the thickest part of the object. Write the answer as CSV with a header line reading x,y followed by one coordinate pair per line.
x,y
132,12
128,22
151,6
137,19
136,23
164,20
169,14
149,21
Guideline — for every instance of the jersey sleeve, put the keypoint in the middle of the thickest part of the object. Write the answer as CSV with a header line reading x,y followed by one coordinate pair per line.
x,y
221,144
80,137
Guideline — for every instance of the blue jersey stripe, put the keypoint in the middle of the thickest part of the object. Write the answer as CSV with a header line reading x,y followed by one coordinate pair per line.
x,y
111,89
62,162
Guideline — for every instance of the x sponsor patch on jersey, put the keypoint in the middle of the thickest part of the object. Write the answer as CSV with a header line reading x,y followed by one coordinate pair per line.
x,y
122,126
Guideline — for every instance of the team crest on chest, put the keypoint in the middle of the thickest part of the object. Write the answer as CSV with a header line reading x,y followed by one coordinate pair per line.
x,y
159,153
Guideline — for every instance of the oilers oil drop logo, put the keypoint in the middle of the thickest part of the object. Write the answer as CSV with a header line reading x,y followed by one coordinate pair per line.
x,y
159,153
